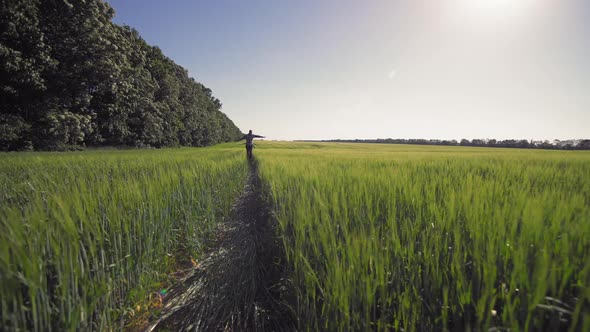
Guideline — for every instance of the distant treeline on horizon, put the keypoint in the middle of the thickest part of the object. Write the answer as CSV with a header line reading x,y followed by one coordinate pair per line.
x,y
572,144
71,78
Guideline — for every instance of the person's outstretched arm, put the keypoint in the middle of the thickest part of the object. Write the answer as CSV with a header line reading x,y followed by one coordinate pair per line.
x,y
243,137
258,136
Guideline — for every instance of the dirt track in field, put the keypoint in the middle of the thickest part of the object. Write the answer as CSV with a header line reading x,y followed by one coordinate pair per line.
x,y
240,284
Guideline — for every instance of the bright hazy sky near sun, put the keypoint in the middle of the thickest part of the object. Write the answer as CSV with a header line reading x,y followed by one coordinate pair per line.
x,y
447,69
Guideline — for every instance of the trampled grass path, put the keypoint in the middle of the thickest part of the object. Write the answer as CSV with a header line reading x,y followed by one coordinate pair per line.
x,y
240,284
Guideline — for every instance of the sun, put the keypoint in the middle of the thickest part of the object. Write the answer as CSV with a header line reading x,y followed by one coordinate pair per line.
x,y
493,8
493,4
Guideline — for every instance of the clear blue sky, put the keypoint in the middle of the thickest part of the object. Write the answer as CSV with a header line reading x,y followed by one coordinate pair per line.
x,y
308,69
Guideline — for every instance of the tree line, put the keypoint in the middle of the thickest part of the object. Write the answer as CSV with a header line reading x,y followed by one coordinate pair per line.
x,y
70,78
572,144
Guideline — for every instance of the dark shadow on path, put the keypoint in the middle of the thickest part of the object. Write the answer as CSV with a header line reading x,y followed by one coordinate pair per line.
x,y
240,284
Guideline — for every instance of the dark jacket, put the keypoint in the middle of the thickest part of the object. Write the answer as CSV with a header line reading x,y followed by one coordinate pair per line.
x,y
250,138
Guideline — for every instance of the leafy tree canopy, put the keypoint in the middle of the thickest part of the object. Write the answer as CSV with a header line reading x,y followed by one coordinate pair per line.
x,y
70,77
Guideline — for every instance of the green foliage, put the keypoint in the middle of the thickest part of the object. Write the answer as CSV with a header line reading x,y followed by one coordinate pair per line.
x,y
66,129
12,130
69,77
83,233
417,238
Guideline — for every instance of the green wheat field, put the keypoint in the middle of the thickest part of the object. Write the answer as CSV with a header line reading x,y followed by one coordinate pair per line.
x,y
428,238
378,237
83,234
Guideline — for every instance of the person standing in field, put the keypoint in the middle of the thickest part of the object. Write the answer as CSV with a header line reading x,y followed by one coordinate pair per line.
x,y
249,137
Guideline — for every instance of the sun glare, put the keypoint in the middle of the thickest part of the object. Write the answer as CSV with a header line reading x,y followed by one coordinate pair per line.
x,y
493,8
